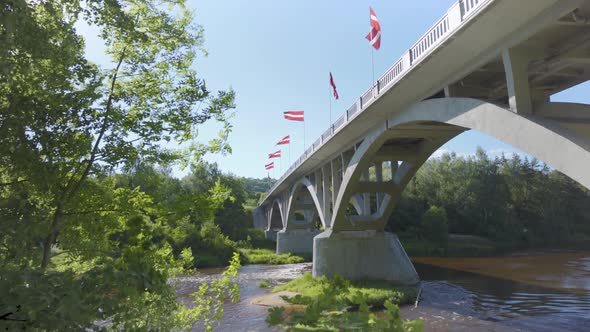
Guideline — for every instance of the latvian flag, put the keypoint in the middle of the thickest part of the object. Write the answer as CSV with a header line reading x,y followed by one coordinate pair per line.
x,y
269,166
284,140
375,35
274,155
293,115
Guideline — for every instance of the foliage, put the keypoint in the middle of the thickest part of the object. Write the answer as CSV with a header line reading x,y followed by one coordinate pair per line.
x,y
337,304
264,284
511,201
267,256
256,188
209,298
256,238
434,225
67,128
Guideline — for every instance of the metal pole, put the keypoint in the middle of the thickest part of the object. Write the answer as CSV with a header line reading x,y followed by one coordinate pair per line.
x,y
304,146
372,51
330,96
372,66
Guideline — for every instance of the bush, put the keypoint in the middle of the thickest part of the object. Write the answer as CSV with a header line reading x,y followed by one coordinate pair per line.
x,y
434,225
337,304
267,256
210,247
257,239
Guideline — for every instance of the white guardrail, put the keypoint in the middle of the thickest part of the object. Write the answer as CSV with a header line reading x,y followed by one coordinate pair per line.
x,y
453,19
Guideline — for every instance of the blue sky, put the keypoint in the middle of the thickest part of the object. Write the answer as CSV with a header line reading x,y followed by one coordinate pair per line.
x,y
277,56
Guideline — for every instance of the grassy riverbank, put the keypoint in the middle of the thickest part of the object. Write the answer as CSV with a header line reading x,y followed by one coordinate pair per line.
x,y
455,246
336,304
268,256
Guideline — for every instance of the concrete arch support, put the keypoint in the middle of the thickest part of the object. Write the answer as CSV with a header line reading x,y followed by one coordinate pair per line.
x,y
547,139
303,207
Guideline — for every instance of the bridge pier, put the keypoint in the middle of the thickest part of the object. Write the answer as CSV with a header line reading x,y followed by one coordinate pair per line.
x,y
296,241
271,235
357,255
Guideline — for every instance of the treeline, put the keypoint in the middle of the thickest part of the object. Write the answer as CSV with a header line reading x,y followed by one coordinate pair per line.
x,y
209,209
513,200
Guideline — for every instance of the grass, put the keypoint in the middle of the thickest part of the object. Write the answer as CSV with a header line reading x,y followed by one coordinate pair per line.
x,y
374,292
340,305
267,256
265,284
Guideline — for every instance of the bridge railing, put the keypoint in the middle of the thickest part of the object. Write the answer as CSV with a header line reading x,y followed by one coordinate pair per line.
x,y
460,12
430,39
470,6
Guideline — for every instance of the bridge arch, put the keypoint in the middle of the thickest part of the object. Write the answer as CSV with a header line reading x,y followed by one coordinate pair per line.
x,y
303,202
408,138
276,219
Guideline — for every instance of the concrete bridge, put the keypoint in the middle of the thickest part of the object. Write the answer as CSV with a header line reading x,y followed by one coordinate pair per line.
x,y
489,65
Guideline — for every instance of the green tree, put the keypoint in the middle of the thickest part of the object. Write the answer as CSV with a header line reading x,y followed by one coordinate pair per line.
x,y
434,225
76,246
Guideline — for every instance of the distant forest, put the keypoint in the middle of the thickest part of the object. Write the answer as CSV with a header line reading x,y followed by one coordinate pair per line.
x,y
505,199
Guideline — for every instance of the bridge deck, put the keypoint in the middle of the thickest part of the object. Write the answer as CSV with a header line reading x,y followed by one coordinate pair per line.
x,y
462,52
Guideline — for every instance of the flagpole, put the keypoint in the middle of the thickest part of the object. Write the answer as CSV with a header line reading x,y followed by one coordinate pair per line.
x,y
372,51
372,67
304,146
330,96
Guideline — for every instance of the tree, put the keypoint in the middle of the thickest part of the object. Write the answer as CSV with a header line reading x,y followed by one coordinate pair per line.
x,y
434,225
66,125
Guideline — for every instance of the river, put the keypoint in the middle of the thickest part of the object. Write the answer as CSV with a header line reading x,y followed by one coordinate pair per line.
x,y
530,291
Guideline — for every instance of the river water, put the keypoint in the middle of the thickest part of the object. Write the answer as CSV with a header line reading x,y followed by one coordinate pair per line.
x,y
531,291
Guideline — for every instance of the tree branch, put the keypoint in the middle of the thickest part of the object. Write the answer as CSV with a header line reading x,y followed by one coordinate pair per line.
x,y
3,184
103,128
90,212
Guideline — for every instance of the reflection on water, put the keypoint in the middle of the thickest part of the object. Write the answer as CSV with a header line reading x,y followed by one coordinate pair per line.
x,y
533,292
525,292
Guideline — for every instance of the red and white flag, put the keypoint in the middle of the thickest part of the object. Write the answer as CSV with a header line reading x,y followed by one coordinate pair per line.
x,y
284,140
333,86
293,115
269,166
274,154
375,35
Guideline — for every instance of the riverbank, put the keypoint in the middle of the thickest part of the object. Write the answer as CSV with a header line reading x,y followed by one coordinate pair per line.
x,y
334,304
458,294
459,245
270,257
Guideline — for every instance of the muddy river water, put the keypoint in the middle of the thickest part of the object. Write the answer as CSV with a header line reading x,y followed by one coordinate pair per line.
x,y
531,291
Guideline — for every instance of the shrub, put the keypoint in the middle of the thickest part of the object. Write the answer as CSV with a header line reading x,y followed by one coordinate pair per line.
x,y
434,225
267,256
337,304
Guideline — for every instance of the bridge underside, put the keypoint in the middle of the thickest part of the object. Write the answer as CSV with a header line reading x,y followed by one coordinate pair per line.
x,y
506,93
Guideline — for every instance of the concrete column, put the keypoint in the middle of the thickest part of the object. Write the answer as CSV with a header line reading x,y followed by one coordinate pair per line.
x,y
327,194
271,235
362,255
366,196
336,177
379,175
517,81
296,241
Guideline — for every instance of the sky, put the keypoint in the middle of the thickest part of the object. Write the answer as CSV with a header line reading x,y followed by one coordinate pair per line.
x,y
277,56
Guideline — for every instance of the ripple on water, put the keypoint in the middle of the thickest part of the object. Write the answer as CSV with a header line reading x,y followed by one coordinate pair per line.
x,y
243,316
